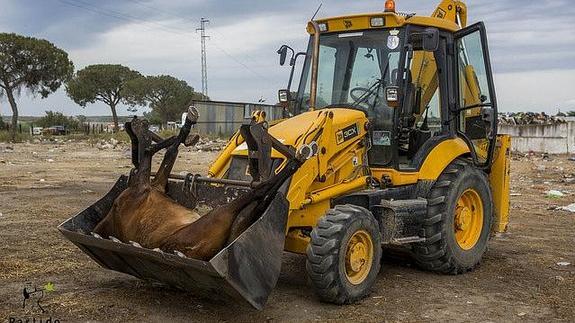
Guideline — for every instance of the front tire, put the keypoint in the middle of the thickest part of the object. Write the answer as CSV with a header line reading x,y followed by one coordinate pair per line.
x,y
458,221
344,255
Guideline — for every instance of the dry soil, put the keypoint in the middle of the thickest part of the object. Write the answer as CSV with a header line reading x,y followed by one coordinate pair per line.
x,y
527,274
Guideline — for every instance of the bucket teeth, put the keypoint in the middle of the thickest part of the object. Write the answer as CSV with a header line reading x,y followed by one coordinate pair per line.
x,y
95,235
180,254
135,244
157,250
114,239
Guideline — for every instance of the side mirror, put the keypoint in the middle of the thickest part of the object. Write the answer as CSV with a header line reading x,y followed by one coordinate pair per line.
x,y
431,39
284,96
392,96
283,54
488,118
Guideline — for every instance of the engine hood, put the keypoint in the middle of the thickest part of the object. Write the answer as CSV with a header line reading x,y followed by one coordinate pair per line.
x,y
289,130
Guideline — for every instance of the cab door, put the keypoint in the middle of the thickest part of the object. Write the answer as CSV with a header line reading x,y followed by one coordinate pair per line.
x,y
476,100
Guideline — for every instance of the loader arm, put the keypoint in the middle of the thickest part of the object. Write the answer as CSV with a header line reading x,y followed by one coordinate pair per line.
x,y
424,69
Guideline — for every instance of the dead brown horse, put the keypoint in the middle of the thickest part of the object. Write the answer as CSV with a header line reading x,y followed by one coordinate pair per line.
x,y
143,213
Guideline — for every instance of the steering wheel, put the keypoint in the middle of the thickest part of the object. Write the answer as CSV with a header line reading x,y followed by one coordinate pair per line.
x,y
356,96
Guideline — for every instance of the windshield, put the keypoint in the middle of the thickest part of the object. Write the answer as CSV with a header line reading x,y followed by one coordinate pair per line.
x,y
353,70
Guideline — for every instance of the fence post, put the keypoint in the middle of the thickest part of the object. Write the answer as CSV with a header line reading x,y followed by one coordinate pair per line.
x,y
571,137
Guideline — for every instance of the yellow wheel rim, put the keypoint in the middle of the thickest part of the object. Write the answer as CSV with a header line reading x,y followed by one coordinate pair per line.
x,y
468,222
358,257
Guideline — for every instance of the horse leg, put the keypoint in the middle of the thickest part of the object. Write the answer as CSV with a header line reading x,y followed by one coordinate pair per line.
x,y
141,180
243,220
161,180
134,141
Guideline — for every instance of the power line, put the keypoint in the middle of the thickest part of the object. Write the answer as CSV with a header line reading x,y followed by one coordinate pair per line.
x,y
121,16
184,18
156,9
240,63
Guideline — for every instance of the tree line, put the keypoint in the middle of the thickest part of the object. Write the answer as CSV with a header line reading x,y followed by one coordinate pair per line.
x,y
40,68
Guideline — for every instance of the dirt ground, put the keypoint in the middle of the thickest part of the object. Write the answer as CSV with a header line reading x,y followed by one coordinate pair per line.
x,y
526,275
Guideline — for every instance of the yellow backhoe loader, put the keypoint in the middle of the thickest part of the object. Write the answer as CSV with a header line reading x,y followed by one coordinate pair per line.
x,y
396,115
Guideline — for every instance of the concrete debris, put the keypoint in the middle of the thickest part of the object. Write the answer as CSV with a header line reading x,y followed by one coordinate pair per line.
x,y
42,180
50,160
528,118
107,144
205,144
563,263
568,208
554,194
7,149
127,153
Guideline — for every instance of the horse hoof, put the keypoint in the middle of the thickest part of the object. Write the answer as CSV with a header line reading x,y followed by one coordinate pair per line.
x,y
193,114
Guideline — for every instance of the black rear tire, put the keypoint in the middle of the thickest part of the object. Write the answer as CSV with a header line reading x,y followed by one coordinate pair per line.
x,y
328,254
441,252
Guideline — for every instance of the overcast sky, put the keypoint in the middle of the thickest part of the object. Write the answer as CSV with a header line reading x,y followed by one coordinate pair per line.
x,y
532,43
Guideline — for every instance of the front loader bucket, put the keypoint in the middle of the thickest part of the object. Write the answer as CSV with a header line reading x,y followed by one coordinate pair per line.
x,y
247,269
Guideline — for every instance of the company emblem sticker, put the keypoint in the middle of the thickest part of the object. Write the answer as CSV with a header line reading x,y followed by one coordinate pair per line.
x,y
393,39
346,133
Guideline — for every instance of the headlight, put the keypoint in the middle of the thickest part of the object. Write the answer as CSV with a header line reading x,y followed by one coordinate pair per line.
x,y
377,22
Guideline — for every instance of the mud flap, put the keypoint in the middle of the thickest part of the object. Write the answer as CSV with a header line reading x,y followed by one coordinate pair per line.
x,y
247,269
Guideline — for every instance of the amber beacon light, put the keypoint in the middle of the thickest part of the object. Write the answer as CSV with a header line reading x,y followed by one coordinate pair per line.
x,y
390,6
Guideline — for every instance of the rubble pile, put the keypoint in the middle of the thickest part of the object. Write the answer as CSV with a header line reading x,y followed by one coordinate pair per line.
x,y
528,118
6,149
107,144
206,144
552,176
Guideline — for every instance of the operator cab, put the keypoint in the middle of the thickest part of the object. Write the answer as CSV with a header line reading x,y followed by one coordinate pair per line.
x,y
416,84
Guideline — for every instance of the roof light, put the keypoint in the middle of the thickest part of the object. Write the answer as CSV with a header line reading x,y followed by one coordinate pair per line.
x,y
377,22
323,27
389,6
